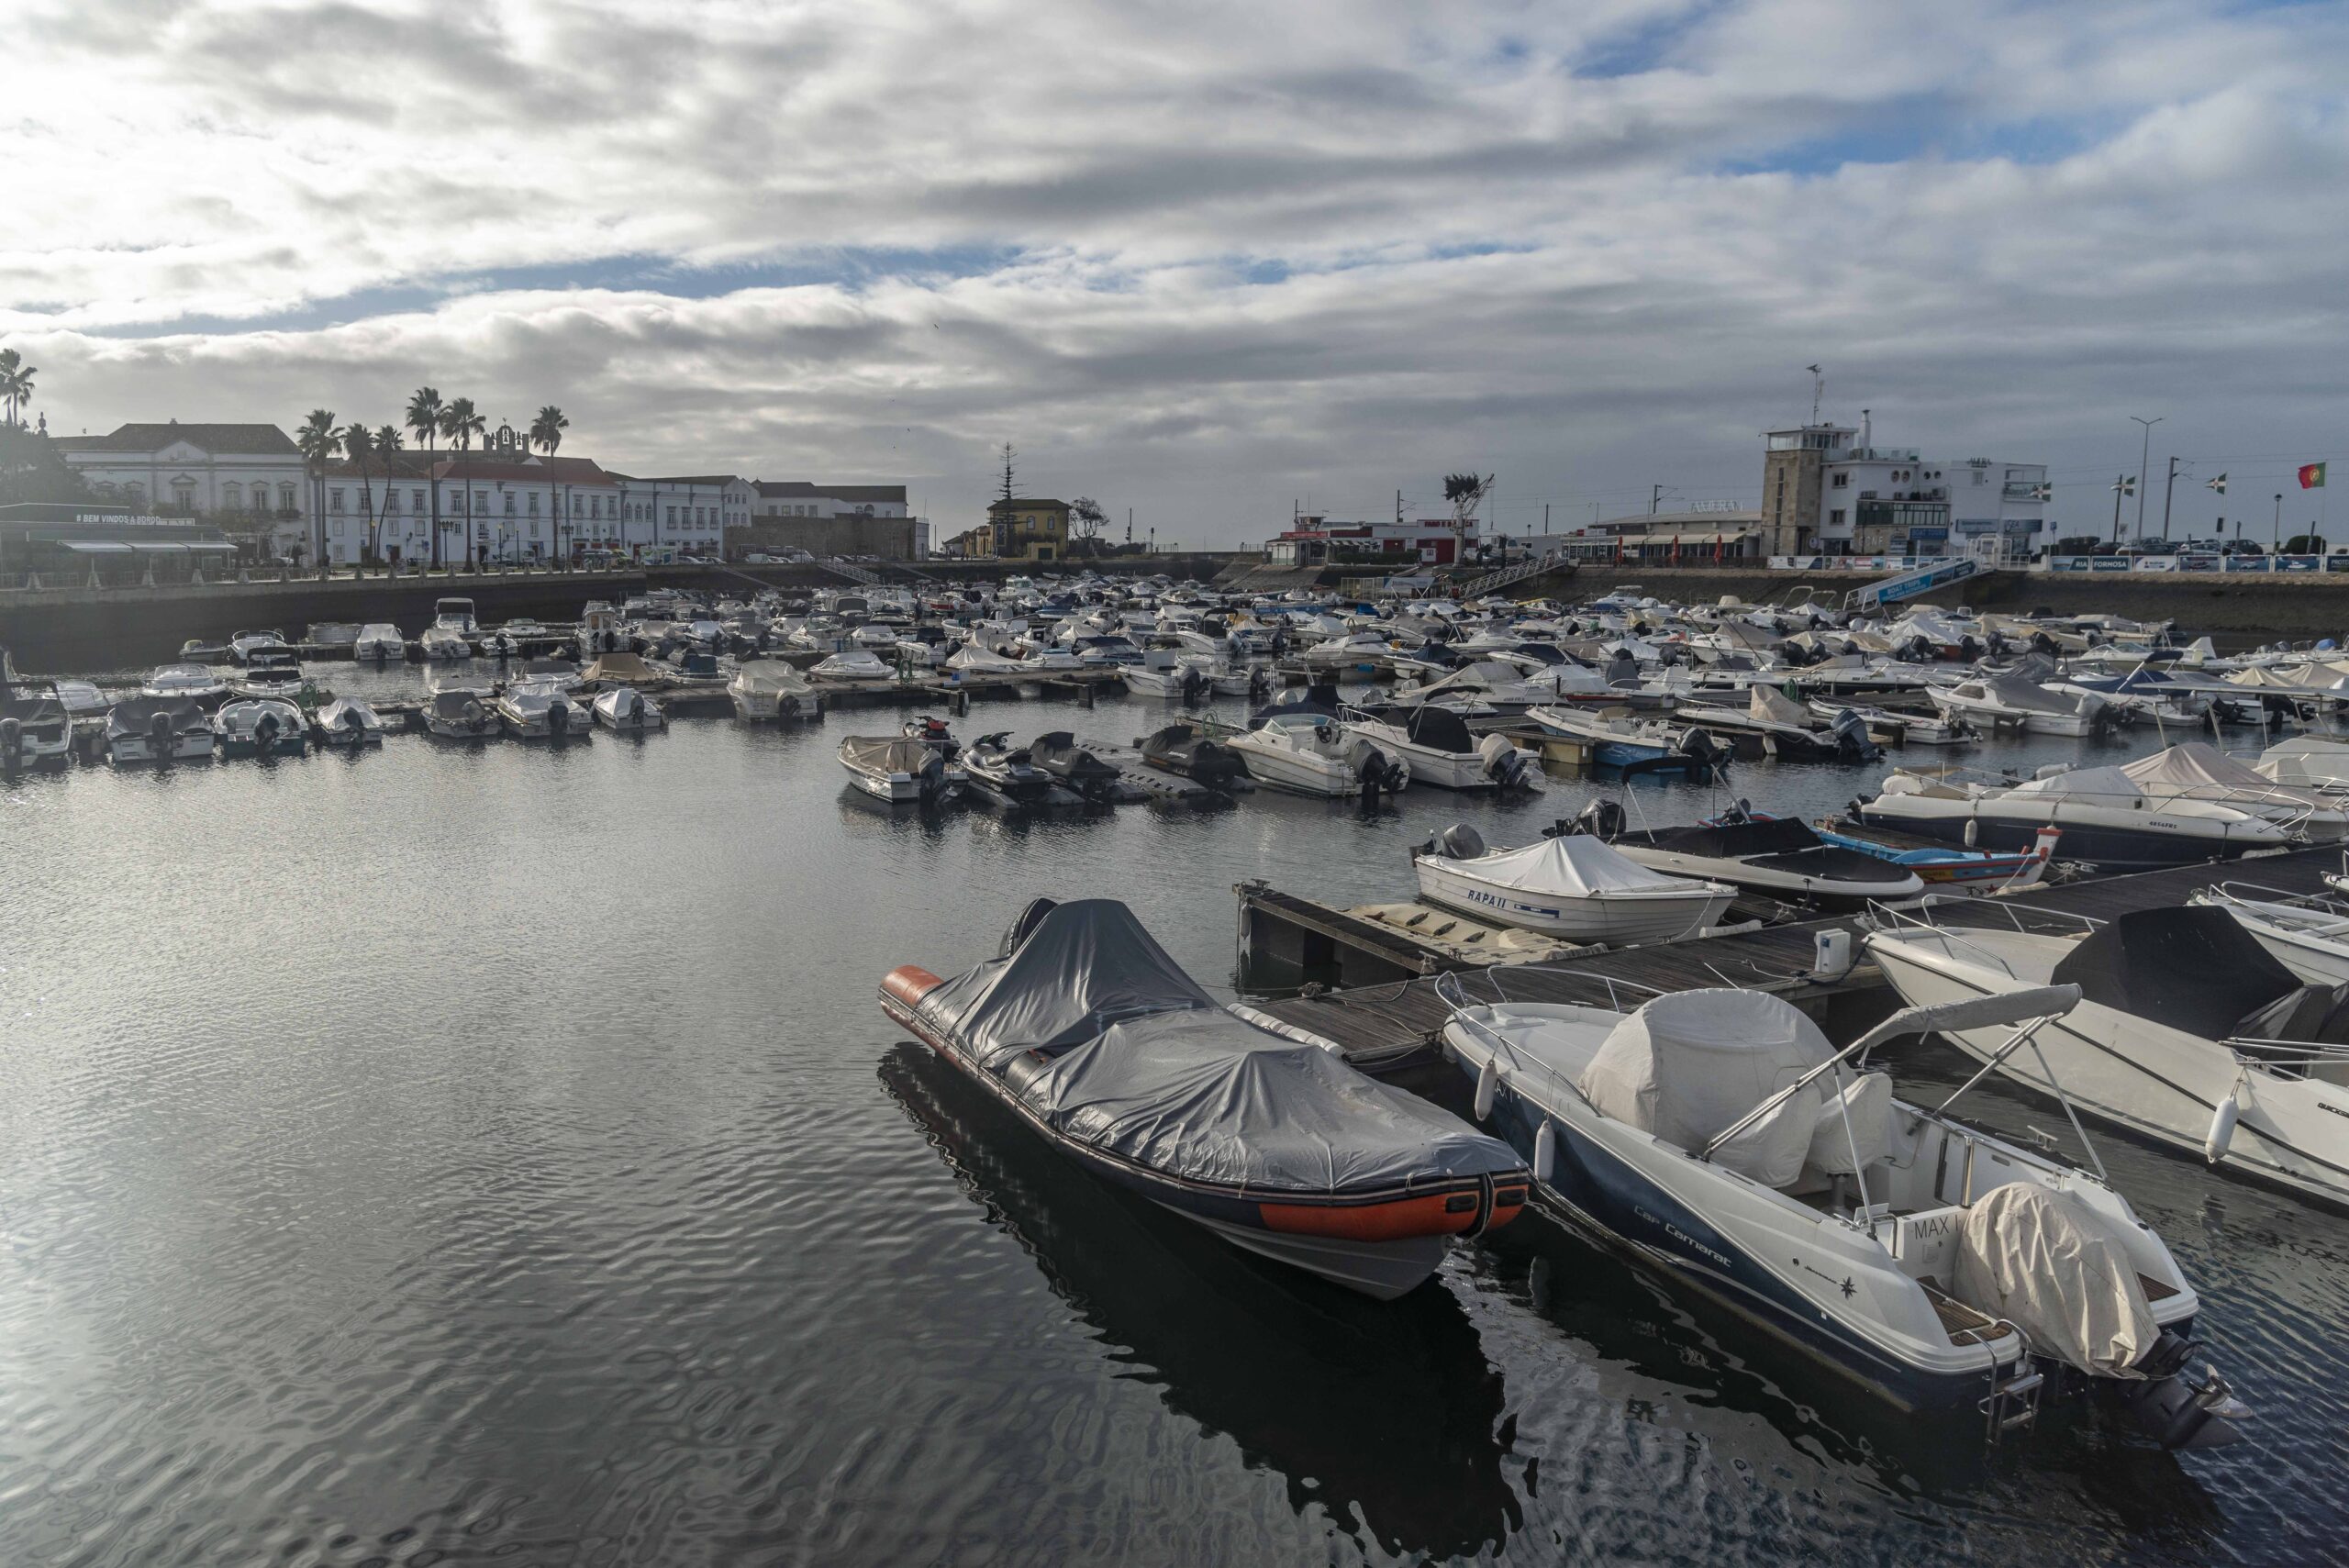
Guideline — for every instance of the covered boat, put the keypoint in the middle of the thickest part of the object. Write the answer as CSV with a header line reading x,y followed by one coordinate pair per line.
x,y
2106,816
1091,1033
2196,770
157,729
627,710
765,689
1188,751
34,732
260,727
348,721
1570,886
898,768
1437,745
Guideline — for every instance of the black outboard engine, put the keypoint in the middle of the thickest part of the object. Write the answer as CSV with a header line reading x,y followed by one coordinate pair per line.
x,y
2043,643
1380,772
12,731
352,722
1260,684
159,736
1702,756
1024,926
1196,686
1969,648
2174,1410
931,776
1602,819
1458,843
1852,741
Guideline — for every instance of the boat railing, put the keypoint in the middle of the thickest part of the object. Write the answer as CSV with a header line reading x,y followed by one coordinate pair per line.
x,y
1499,1045
1919,917
2251,1052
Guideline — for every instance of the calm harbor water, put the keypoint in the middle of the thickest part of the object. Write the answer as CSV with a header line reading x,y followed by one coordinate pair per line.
x,y
456,1155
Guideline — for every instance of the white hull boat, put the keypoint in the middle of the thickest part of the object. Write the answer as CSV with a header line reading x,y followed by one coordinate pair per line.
x,y
2310,938
1572,887
542,711
157,729
853,667
441,645
769,690
1308,756
35,733
459,714
2107,819
1436,744
628,711
379,642
899,768
260,727
200,684
347,721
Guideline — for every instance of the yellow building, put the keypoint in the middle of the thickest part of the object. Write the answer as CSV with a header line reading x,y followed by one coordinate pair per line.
x,y
1030,530
972,544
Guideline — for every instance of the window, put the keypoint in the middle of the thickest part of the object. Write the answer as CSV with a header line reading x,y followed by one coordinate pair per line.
x,y
416,501
672,517
1841,481
334,500
285,496
1835,518
534,509
481,500
391,502
232,495
510,503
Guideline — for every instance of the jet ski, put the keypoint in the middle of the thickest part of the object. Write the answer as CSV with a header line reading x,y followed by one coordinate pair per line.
x,y
1087,1030
1003,775
1058,755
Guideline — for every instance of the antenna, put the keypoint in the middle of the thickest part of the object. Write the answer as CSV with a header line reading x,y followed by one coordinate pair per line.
x,y
1818,388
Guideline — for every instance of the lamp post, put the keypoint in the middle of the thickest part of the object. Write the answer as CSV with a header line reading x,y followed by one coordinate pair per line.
x,y
2144,459
2275,539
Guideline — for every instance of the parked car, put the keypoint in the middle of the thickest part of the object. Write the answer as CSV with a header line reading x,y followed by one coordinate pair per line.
x,y
2241,546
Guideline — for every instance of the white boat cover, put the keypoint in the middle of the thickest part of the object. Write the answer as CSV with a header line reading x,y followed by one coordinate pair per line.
x,y
2305,760
2030,1255
1842,1147
1573,865
620,669
1768,703
2107,785
1145,1066
885,754
2196,770
1686,1066
775,675
984,661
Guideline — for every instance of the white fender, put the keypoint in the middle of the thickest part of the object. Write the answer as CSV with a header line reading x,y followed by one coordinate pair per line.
x,y
1545,1150
2222,1129
1488,1081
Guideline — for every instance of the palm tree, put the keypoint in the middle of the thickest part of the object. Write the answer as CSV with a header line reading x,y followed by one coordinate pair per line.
x,y
546,434
424,410
16,383
357,445
318,439
460,425
388,447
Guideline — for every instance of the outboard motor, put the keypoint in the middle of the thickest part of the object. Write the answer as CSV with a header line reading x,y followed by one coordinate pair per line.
x,y
1852,742
1969,648
1377,771
473,714
2043,643
1705,756
1260,684
1195,685
558,719
1504,764
12,731
1602,819
1024,924
2174,1411
1459,843
932,777
159,736
352,722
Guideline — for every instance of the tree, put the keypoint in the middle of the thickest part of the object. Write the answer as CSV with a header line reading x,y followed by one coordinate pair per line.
x,y
2304,544
31,470
316,439
1085,521
1008,492
1467,493
424,411
546,434
387,449
16,384
460,424
359,445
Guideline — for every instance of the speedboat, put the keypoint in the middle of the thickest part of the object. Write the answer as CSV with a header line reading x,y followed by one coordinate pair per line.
x,y
1435,743
200,684
2017,705
2312,761
268,673
542,710
1785,730
460,714
157,729
1888,727
1310,755
2106,817
2196,770
897,769
442,644
1717,1137
1162,673
2309,936
347,721
765,689
852,666
1004,774
1634,746
1186,751
380,641
245,644
2189,1034
1088,1032
456,615
35,733
627,710
1777,856
1569,886
260,727
972,660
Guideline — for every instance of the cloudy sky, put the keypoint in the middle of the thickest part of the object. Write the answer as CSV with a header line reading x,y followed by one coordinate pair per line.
x,y
1205,259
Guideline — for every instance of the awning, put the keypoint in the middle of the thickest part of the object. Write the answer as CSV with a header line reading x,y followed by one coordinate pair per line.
x,y
95,547
221,545
160,547
1690,539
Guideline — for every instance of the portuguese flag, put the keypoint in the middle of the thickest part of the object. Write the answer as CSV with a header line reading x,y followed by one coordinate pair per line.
x,y
2311,476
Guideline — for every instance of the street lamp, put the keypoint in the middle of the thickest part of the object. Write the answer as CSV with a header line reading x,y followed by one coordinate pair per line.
x,y
2275,539
2143,460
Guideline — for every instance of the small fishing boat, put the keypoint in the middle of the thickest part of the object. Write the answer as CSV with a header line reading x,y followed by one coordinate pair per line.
x,y
1784,730
245,644
1889,727
627,710
1633,746
1094,1037
542,711
380,642
895,769
443,645
200,684
267,672
1944,865
157,729
1716,1136
852,666
35,733
1310,755
460,714
774,691
1777,856
260,727
2189,1032
347,721
1437,746
1568,886
2015,704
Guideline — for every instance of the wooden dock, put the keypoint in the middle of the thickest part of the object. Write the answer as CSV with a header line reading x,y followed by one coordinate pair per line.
x,y
1387,1015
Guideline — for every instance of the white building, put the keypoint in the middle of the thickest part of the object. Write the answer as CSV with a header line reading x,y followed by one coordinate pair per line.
x,y
1825,492
232,474
689,513
804,498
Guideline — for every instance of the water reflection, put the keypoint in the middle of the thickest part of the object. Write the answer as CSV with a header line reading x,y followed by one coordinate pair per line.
x,y
1389,1416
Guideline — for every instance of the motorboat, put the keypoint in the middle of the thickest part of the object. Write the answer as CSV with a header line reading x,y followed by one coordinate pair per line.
x,y
1948,866
1075,766
200,684
972,660
2311,761
2014,704
1004,774
35,733
623,669
770,689
2107,819
627,710
456,615
1891,727
267,672
442,644
1188,751
2189,1032
1780,857
379,641
852,666
1356,649
542,711
157,729
1436,744
1087,1032
2309,936
1633,746
1162,673
245,644
1785,729
1311,755
260,727
1716,1136
897,769
80,699
460,714
2196,770
348,721
1571,885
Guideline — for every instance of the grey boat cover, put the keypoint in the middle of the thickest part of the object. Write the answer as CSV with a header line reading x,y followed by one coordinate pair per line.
x,y
1686,1066
1144,1066
2196,770
885,754
2048,1265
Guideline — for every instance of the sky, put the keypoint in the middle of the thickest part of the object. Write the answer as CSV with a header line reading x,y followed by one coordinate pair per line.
x,y
1209,261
